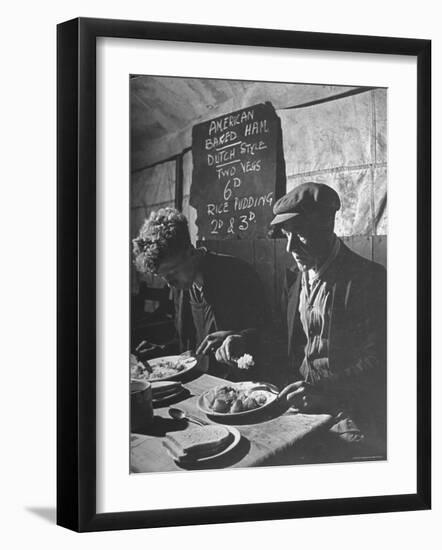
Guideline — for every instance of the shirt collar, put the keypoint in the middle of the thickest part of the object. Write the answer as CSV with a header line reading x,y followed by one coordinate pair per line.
x,y
316,275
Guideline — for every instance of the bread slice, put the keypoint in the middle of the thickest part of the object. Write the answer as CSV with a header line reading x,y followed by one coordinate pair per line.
x,y
197,442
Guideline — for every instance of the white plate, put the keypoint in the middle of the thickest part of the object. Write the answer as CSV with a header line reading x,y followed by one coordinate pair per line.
x,y
191,363
243,414
236,439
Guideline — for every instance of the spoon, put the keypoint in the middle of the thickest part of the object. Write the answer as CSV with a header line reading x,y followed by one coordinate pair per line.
x,y
179,414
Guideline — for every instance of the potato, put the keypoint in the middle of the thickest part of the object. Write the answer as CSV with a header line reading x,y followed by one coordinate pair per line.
x,y
221,406
250,404
237,406
261,399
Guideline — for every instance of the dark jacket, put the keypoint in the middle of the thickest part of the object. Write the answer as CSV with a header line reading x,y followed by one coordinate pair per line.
x,y
357,336
236,295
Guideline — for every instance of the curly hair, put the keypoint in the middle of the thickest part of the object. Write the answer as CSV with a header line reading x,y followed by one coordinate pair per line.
x,y
164,234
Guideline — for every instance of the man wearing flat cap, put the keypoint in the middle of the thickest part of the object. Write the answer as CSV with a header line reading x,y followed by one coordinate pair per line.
x,y
336,320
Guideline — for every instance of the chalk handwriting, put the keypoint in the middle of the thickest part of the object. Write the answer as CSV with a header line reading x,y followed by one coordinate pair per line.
x,y
229,139
251,166
222,124
251,148
216,209
255,128
216,225
241,203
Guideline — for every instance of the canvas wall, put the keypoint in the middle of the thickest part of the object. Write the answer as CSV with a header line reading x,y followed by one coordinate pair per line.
x,y
340,140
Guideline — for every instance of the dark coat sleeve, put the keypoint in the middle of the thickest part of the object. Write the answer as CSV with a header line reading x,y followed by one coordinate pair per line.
x,y
358,369
239,299
363,338
253,314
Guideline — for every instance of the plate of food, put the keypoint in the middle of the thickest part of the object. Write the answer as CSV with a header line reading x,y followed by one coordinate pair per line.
x,y
201,444
237,400
169,367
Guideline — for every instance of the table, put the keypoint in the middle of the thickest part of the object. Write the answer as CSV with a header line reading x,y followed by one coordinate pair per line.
x,y
260,442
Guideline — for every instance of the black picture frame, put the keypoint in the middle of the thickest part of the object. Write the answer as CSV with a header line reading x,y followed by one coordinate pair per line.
x,y
76,273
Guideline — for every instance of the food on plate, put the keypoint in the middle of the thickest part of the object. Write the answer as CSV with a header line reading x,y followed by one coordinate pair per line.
x,y
219,405
250,403
235,399
158,369
197,442
137,366
237,406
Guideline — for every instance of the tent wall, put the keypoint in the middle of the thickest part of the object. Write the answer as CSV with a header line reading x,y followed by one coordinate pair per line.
x,y
340,141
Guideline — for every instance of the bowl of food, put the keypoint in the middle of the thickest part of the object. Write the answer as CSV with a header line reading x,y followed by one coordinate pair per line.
x,y
238,400
169,367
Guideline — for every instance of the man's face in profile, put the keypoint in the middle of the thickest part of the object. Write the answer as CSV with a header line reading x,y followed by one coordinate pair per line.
x,y
179,271
308,239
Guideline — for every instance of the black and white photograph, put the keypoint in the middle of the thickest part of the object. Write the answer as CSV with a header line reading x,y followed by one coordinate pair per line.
x,y
258,273
219,254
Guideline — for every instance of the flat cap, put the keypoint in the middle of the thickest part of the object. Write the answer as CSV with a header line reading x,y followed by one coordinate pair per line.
x,y
305,199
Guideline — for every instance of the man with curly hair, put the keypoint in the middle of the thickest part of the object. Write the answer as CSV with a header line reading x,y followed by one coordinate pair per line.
x,y
219,301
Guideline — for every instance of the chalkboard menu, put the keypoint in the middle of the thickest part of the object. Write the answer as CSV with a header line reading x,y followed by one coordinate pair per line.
x,y
238,173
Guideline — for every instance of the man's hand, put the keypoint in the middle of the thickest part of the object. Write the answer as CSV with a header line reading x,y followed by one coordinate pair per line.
x,y
302,396
232,348
212,342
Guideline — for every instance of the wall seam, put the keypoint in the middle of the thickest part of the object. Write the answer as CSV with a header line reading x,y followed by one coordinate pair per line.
x,y
373,158
338,169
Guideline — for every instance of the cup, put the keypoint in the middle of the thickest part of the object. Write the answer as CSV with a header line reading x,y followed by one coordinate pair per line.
x,y
141,409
